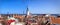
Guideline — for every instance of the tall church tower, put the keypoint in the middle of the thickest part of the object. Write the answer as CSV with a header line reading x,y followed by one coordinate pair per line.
x,y
27,11
28,15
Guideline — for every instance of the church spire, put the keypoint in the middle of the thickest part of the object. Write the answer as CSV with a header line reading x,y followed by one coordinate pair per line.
x,y
27,11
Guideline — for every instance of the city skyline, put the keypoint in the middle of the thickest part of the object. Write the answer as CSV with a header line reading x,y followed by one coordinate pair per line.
x,y
35,6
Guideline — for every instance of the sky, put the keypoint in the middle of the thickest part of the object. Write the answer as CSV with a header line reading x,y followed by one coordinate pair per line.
x,y
35,6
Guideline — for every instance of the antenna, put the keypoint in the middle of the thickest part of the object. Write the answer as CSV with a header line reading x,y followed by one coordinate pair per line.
x,y
7,12
23,12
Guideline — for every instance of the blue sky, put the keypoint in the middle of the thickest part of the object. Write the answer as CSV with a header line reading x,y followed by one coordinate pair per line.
x,y
35,6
